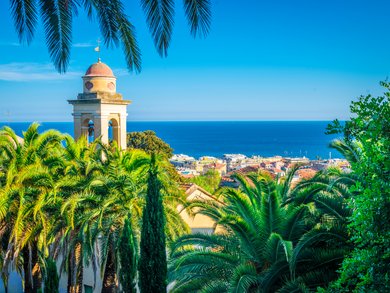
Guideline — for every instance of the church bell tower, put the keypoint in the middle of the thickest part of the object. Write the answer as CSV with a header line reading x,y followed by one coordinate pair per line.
x,y
100,110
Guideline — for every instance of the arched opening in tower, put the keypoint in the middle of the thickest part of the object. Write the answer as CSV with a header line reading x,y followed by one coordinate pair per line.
x,y
113,131
91,131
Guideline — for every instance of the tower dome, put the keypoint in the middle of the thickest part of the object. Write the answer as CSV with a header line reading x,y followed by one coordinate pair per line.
x,y
99,78
99,69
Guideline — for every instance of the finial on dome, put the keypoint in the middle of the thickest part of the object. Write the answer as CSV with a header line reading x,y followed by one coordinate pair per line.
x,y
97,49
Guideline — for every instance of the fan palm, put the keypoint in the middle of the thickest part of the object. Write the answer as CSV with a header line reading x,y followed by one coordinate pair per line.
x,y
26,197
115,26
275,238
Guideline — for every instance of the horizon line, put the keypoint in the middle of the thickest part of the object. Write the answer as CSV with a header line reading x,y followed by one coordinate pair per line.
x,y
273,120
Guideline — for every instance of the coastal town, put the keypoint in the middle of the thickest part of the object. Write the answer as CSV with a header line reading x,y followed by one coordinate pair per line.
x,y
229,164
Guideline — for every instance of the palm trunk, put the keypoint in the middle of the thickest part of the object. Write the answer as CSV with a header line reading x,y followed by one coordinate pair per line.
x,y
28,284
80,279
75,270
36,270
71,265
80,268
110,278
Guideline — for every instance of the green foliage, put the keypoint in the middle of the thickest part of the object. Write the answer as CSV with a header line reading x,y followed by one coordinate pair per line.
x,y
367,269
153,260
128,255
149,142
51,277
25,200
60,197
276,238
209,181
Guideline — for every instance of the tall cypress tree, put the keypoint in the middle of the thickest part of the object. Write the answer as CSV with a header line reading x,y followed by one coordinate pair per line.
x,y
153,261
128,259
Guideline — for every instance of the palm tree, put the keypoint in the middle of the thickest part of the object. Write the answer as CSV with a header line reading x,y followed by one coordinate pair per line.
x,y
276,238
80,167
26,198
116,192
70,202
115,26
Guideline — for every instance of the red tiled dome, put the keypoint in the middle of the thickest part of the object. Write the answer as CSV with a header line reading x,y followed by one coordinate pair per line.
x,y
99,69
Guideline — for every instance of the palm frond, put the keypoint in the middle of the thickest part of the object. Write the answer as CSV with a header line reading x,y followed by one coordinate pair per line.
x,y
30,134
294,286
130,45
159,17
244,278
348,149
57,22
106,11
287,182
198,13
24,14
335,233
278,249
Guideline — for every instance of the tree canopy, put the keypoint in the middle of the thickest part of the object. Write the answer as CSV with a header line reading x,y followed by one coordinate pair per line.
x,y
209,181
367,143
149,142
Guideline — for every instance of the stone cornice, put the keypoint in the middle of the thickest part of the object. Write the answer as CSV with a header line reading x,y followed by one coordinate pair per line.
x,y
99,96
99,101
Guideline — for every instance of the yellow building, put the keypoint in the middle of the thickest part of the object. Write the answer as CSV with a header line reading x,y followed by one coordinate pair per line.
x,y
198,223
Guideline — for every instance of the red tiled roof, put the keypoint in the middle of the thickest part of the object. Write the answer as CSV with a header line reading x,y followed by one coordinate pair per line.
x,y
306,173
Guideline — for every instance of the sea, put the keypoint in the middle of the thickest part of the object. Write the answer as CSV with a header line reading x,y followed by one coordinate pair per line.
x,y
196,139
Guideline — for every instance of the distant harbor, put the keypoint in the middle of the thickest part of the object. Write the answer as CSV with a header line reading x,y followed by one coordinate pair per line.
x,y
251,138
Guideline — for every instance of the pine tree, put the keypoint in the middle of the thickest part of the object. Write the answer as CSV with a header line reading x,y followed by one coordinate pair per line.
x,y
128,259
51,277
153,261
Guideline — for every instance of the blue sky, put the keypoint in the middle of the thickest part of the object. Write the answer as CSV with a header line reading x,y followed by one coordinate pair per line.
x,y
263,60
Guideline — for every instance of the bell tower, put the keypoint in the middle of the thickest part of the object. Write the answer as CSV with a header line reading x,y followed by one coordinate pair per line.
x,y
100,110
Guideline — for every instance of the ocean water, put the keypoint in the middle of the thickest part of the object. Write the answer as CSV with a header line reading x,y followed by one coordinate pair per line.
x,y
264,138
